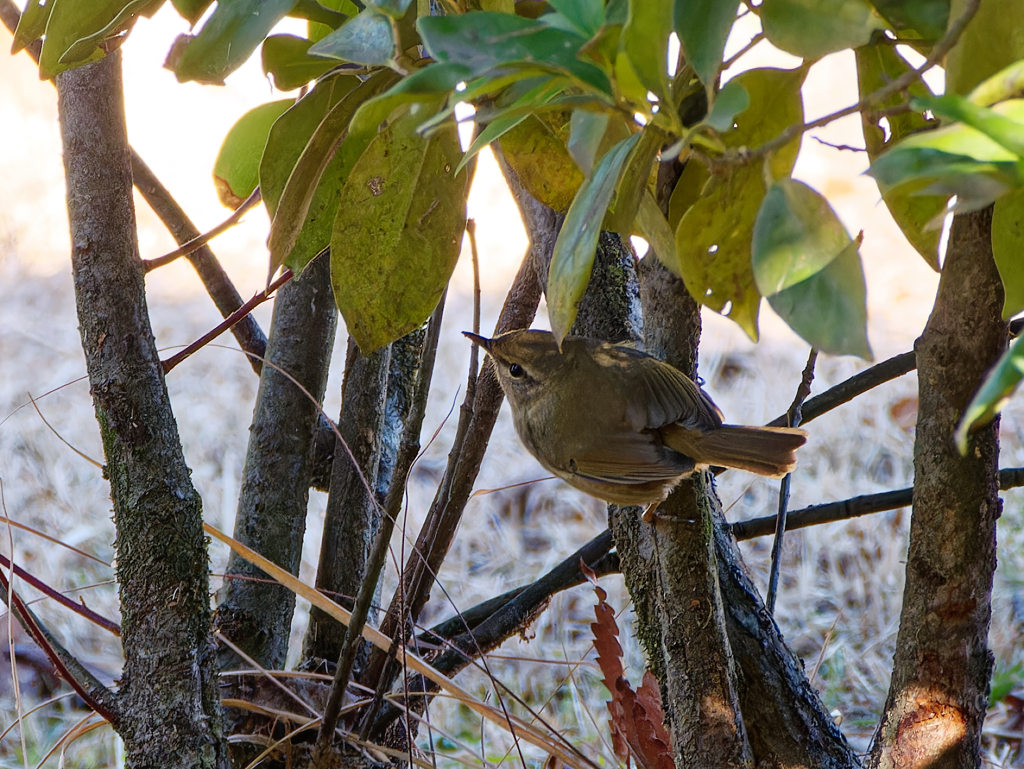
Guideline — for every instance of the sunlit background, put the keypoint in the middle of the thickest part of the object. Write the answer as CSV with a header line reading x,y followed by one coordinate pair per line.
x,y
840,601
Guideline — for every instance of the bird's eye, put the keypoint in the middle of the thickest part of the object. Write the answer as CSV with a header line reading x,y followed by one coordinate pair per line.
x,y
516,371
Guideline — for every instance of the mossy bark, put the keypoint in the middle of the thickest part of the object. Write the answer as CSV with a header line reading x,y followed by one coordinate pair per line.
x,y
170,703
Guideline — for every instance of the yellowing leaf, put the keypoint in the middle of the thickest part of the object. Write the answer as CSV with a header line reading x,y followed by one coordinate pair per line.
x,y
399,229
713,238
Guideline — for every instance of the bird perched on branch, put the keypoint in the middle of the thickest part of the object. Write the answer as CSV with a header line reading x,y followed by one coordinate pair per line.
x,y
619,424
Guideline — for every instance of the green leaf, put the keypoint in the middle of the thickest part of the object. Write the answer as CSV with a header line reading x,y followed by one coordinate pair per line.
x,y
294,208
76,33
915,214
366,39
1008,250
1005,132
285,59
808,268
954,160
926,19
484,42
586,132
586,16
796,235
191,10
318,31
573,258
226,40
1006,84
992,41
285,144
398,231
424,85
645,42
703,27
993,394
829,310
32,23
729,102
236,169
633,183
813,28
394,8
652,226
713,237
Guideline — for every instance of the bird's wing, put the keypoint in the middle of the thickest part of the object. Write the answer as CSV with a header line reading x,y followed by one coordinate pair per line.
x,y
634,461
668,397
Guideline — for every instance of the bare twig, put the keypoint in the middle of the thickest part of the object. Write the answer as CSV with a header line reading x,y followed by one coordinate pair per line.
x,y
95,694
63,600
793,417
846,391
901,83
215,280
235,317
201,240
1009,478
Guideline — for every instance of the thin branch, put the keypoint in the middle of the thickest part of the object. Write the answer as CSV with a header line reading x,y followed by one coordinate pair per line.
x,y
63,600
215,280
201,240
407,453
237,316
1009,478
901,83
846,391
95,694
793,418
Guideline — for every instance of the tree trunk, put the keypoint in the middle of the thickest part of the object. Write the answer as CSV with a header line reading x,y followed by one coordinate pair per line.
x,y
253,613
939,691
169,696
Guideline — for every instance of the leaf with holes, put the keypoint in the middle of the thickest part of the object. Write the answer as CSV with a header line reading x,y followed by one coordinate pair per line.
x,y
399,229
293,209
236,169
573,258
916,215
714,234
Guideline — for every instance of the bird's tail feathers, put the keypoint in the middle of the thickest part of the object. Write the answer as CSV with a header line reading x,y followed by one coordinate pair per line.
x,y
769,451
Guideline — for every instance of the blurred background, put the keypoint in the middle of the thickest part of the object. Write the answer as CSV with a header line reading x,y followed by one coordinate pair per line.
x,y
842,583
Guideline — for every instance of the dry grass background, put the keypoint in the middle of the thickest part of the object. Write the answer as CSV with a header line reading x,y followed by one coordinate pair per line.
x,y
840,599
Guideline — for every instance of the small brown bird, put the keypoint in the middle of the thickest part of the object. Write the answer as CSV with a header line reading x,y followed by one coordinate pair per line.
x,y
620,425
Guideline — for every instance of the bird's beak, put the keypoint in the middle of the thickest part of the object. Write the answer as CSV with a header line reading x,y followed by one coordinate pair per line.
x,y
477,339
